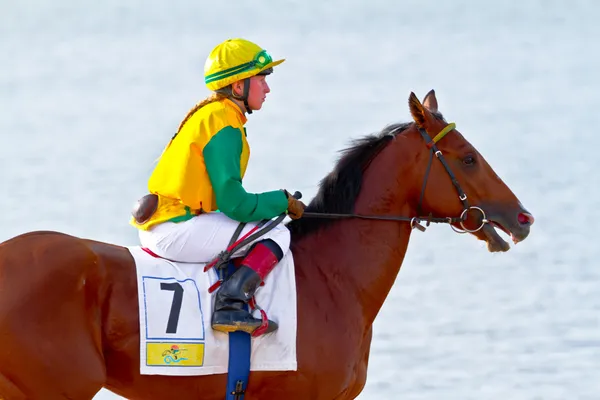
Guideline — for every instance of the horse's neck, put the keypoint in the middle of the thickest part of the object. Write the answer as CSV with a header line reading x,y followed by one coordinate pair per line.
x,y
360,259
362,262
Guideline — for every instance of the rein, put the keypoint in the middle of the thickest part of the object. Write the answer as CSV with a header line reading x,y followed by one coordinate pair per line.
x,y
415,222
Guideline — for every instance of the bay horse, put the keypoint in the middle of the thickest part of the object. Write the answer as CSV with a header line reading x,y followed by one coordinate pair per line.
x,y
69,309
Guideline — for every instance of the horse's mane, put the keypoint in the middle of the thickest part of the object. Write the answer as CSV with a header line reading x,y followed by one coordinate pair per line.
x,y
340,188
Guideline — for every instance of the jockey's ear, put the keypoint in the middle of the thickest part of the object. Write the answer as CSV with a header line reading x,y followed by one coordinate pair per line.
x,y
420,114
237,88
430,101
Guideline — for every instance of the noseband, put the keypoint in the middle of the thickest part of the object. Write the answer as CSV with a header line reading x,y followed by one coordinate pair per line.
x,y
416,222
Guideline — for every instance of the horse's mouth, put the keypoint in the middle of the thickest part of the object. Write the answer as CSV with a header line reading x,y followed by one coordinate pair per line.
x,y
495,242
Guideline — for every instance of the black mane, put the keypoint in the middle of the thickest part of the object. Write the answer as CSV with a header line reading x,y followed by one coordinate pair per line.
x,y
340,188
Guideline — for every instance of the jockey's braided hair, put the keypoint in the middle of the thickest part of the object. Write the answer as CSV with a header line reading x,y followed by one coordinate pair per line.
x,y
210,99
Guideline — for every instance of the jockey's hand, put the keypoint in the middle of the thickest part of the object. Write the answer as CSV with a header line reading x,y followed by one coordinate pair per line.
x,y
295,207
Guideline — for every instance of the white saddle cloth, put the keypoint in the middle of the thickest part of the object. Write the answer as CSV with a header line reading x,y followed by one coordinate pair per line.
x,y
175,310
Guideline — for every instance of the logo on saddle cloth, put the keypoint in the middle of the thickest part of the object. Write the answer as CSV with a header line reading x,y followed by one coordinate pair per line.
x,y
184,354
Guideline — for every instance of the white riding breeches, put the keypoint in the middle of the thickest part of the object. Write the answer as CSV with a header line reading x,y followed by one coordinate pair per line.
x,y
203,237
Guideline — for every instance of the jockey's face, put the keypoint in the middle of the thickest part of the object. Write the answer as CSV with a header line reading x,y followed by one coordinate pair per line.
x,y
257,93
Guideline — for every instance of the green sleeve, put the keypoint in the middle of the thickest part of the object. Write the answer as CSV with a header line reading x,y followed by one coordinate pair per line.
x,y
222,158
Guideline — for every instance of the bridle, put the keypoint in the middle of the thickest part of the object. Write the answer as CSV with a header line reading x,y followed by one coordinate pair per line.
x,y
415,222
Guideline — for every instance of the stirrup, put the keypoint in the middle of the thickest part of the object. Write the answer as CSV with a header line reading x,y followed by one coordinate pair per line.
x,y
246,323
264,326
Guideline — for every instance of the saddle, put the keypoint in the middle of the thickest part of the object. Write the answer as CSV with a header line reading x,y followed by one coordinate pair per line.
x,y
144,208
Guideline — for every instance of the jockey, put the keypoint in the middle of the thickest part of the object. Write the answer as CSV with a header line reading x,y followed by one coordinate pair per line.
x,y
197,198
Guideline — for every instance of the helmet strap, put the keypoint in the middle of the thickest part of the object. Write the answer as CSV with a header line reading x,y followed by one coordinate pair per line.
x,y
244,96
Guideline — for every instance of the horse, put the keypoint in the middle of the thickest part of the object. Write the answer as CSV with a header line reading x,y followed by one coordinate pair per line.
x,y
69,310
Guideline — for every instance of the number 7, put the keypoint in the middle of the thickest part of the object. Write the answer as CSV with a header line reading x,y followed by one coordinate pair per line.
x,y
175,306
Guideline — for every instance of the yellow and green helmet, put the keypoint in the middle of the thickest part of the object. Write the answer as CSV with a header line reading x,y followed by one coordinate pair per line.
x,y
234,60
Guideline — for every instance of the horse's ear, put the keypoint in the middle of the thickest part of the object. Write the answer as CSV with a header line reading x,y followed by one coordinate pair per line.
x,y
430,101
418,112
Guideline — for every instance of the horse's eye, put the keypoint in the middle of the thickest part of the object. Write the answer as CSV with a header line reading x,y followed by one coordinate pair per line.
x,y
469,160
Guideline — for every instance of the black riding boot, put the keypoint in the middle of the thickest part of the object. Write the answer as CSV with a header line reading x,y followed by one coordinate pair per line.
x,y
229,314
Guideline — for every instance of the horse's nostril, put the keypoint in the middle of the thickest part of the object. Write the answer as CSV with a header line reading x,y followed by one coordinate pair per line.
x,y
525,219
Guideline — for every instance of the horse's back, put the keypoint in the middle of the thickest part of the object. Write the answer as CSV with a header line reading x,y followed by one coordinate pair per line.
x,y
45,264
51,291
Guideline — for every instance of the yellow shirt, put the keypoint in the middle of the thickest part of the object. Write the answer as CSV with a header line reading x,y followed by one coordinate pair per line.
x,y
180,178
201,170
